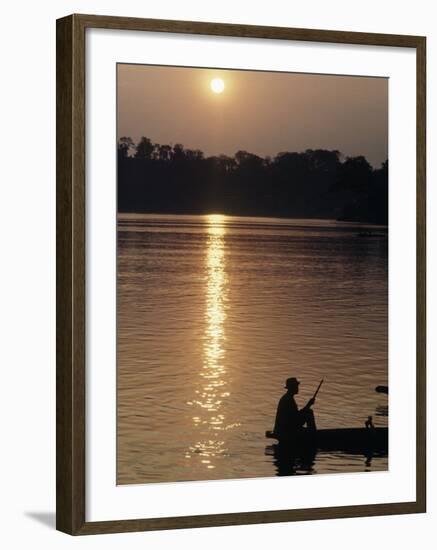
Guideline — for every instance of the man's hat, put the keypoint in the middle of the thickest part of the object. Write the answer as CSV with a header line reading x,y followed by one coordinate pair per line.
x,y
291,383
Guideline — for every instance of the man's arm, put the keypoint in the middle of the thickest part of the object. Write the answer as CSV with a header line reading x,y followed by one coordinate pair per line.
x,y
309,404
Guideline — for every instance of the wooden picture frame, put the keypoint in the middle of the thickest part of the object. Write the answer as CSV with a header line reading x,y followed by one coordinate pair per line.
x,y
71,253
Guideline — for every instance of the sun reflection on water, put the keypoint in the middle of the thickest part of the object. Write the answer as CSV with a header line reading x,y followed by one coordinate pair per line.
x,y
215,315
213,391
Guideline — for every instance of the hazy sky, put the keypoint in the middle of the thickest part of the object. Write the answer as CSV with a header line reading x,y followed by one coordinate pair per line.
x,y
260,112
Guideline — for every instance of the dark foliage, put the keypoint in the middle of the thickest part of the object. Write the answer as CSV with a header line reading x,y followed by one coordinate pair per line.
x,y
313,184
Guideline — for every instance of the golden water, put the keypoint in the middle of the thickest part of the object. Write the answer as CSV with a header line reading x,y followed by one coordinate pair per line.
x,y
215,312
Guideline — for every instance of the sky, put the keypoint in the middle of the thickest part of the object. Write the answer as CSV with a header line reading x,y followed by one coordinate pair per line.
x,y
260,112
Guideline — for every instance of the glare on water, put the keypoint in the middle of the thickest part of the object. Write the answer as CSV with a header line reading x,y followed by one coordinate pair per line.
x,y
209,398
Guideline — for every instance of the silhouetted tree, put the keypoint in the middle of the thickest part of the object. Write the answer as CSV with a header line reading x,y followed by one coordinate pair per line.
x,y
314,183
178,153
144,149
322,160
125,145
193,155
355,172
162,152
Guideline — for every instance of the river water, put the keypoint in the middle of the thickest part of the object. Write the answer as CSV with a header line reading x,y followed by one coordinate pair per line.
x,y
215,312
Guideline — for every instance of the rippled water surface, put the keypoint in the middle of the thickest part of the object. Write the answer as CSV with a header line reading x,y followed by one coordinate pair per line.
x,y
215,312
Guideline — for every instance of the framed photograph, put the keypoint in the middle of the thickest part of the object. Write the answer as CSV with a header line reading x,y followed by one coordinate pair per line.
x,y
240,274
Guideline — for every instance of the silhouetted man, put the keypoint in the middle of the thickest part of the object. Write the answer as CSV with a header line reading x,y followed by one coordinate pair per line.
x,y
290,421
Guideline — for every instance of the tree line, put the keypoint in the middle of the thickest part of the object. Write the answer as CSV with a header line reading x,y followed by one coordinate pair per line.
x,y
156,178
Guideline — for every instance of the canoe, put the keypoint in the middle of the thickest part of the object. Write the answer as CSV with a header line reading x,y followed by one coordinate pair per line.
x,y
341,439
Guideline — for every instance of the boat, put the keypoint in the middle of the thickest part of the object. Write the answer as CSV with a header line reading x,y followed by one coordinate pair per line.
x,y
341,439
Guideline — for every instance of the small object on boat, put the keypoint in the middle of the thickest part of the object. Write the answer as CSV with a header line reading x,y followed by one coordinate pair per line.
x,y
382,389
369,423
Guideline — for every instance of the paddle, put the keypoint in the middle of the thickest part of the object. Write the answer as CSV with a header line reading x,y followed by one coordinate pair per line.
x,y
313,398
318,388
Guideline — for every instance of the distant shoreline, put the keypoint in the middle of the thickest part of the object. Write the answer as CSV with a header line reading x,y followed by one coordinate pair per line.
x,y
358,223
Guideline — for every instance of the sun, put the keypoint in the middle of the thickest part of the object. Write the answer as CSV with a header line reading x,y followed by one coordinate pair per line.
x,y
217,85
